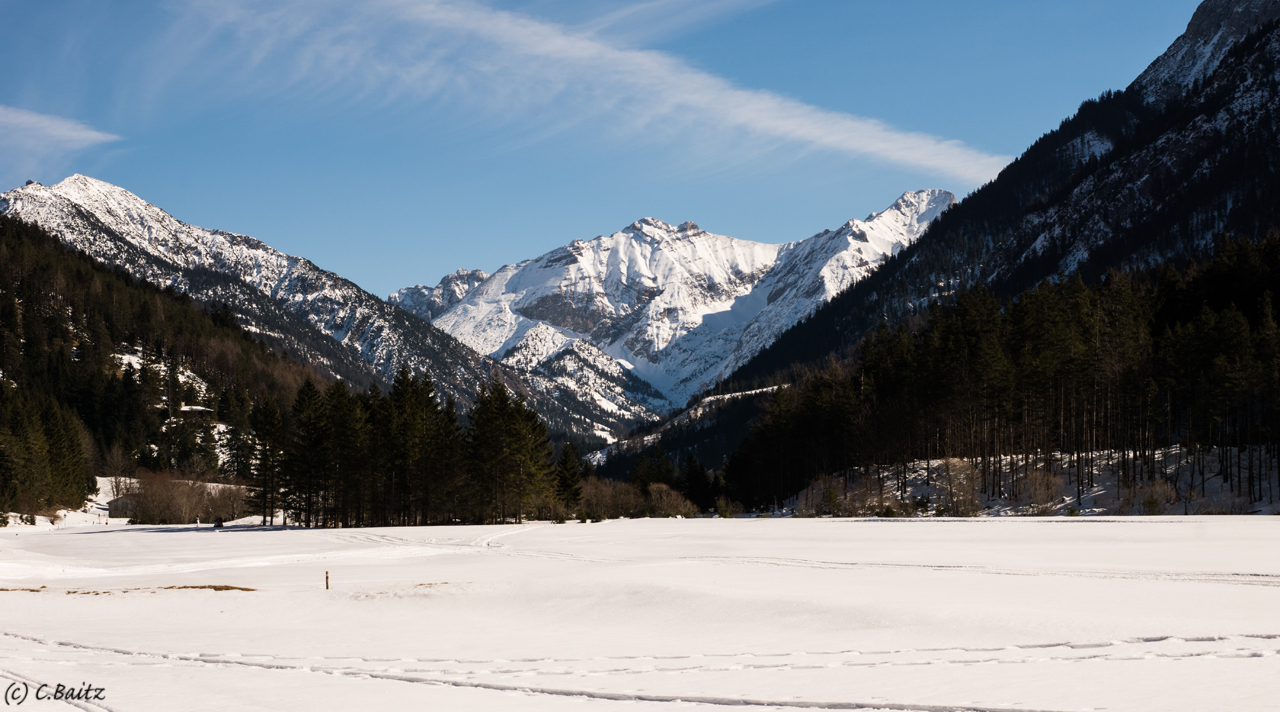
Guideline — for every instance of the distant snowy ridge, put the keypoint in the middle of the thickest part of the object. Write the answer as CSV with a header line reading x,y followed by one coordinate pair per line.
x,y
321,317
676,306
117,227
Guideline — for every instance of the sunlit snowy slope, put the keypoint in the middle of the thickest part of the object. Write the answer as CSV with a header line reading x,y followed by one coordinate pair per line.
x,y
273,293
1158,613
676,305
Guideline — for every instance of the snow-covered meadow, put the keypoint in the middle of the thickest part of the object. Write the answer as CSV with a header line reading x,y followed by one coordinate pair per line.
x,y
1019,613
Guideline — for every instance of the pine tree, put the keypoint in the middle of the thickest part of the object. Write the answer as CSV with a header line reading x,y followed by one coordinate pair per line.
x,y
305,465
569,477
509,455
448,458
699,487
345,458
234,410
267,481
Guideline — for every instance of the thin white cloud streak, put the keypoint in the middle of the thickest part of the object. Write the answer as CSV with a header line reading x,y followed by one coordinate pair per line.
x,y
42,134
31,143
513,66
651,20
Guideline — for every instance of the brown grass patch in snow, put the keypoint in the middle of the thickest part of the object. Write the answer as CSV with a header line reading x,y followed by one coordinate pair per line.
x,y
213,587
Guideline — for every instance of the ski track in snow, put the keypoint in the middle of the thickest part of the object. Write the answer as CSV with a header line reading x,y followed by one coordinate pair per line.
x,y
1145,648
21,571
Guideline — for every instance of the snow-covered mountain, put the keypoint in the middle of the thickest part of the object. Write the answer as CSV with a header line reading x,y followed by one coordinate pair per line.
x,y
602,335
117,227
676,307
810,272
324,319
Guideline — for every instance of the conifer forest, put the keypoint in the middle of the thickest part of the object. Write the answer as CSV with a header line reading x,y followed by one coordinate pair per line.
x,y
1173,374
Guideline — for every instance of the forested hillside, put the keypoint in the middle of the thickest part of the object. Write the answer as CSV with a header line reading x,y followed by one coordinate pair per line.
x,y
1133,365
70,400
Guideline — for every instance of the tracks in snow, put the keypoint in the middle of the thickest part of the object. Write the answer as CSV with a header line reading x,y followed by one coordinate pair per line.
x,y
547,676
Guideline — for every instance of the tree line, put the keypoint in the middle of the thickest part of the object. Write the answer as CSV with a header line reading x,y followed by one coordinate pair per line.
x,y
1140,365
339,458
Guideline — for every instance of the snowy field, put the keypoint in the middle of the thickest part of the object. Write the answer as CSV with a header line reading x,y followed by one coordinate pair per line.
x,y
1159,613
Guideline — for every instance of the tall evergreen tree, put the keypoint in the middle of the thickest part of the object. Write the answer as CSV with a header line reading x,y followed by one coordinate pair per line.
x,y
698,484
306,466
569,476
268,484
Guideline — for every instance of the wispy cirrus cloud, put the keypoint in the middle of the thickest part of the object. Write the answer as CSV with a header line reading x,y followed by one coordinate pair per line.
x,y
638,22
508,67
30,140
41,133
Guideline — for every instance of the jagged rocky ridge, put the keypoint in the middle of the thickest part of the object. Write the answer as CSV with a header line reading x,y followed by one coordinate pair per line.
x,y
674,308
430,302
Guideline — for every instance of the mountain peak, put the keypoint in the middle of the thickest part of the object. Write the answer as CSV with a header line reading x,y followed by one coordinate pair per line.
x,y
907,218
657,230
649,225
1215,27
430,302
78,181
82,189
677,305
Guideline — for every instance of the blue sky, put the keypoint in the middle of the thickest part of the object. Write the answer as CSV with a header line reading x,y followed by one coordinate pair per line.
x,y
393,141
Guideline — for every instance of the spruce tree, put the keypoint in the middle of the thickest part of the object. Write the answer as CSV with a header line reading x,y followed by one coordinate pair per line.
x,y
268,485
305,455
698,486
569,477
